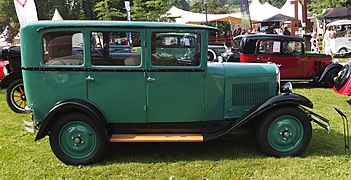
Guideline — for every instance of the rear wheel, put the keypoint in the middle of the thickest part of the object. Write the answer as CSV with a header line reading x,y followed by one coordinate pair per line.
x,y
284,132
16,97
343,51
330,77
76,139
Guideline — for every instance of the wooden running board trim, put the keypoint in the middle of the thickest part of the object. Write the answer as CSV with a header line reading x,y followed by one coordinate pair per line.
x,y
156,138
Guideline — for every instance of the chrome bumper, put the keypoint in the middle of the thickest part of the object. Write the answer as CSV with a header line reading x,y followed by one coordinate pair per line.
x,y
29,125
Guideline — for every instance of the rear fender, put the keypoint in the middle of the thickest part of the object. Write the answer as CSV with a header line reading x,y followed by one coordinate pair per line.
x,y
327,69
10,78
70,105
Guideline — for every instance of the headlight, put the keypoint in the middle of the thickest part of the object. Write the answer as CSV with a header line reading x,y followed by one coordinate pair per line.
x,y
277,77
287,88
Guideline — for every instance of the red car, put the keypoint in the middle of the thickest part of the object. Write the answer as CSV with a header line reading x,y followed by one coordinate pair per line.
x,y
3,69
343,81
288,53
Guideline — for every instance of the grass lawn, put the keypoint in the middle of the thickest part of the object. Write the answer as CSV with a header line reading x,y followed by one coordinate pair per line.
x,y
234,156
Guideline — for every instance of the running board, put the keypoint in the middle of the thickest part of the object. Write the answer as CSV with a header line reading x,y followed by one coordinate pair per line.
x,y
156,138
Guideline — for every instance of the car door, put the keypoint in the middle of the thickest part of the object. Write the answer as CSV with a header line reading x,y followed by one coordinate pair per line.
x,y
175,77
291,60
286,54
116,81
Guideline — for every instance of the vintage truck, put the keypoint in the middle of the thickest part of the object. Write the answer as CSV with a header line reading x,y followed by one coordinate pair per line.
x,y
288,53
85,99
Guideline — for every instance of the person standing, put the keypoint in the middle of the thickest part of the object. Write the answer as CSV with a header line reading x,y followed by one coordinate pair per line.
x,y
314,43
326,41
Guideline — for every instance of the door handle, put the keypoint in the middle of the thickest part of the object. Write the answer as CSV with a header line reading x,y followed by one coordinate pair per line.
x,y
89,78
150,79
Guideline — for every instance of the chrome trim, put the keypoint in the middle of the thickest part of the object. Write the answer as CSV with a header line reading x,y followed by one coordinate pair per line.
x,y
297,80
29,126
28,109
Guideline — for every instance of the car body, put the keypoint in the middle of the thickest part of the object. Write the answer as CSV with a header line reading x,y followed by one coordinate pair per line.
x,y
289,54
3,69
83,101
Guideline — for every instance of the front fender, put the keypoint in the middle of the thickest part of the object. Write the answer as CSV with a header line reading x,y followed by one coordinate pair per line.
x,y
10,78
275,101
69,105
327,69
283,99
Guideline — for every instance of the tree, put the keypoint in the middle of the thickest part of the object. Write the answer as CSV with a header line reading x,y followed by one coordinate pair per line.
x,y
142,10
316,7
181,4
276,3
213,7
105,11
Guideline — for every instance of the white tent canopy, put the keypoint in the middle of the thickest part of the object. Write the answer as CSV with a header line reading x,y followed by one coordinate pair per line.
x,y
339,23
258,12
57,16
198,18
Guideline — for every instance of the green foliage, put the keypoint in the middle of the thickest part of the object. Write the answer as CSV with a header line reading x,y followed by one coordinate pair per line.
x,y
316,7
275,3
149,10
181,4
105,11
213,7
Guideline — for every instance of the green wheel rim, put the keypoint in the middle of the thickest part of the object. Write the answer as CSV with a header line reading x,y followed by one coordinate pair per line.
x,y
285,133
77,140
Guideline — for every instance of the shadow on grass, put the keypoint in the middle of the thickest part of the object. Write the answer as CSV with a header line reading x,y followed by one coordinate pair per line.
x,y
232,146
307,85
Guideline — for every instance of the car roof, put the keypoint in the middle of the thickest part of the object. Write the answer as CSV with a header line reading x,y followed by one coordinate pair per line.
x,y
269,36
115,24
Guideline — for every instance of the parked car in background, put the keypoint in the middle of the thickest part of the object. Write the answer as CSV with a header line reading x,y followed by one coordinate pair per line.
x,y
340,43
288,53
3,69
161,92
13,83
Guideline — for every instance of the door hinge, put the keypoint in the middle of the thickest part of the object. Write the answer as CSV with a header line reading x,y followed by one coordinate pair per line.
x,y
203,106
145,108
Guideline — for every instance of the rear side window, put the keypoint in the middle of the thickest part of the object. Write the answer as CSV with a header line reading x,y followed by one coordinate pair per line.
x,y
63,48
175,49
269,47
115,48
292,47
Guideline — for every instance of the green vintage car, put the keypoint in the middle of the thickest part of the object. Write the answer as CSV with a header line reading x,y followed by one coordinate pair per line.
x,y
84,96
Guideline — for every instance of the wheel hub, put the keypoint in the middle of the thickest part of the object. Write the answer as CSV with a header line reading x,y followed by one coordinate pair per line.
x,y
286,134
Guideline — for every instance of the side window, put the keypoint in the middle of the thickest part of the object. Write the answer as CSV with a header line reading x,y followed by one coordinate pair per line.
x,y
292,47
115,48
63,48
175,49
269,47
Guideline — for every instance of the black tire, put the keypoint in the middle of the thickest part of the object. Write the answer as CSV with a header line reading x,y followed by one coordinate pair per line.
x,y
16,96
329,79
343,52
211,55
286,131
76,139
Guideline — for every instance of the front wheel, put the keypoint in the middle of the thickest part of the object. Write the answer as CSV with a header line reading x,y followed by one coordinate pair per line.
x,y
77,140
286,131
330,77
16,97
